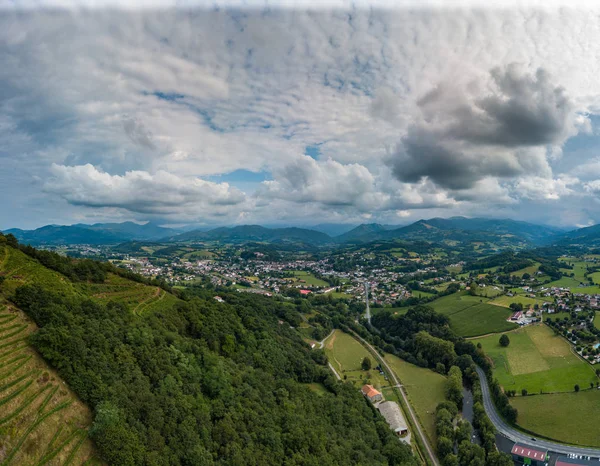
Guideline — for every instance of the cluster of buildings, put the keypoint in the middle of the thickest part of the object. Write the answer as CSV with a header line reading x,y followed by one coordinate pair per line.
x,y
390,411
263,276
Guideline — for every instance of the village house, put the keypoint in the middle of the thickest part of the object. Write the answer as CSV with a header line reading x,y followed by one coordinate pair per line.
x,y
372,395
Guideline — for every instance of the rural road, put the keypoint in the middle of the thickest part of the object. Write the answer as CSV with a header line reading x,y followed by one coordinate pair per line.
x,y
424,438
322,342
521,437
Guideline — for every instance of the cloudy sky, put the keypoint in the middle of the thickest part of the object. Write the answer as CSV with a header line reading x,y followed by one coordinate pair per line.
x,y
228,114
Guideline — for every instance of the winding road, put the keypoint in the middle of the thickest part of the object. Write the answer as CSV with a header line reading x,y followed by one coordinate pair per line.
x,y
517,436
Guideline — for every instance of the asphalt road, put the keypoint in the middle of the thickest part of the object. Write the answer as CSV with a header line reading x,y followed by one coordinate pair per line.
x,y
517,436
411,413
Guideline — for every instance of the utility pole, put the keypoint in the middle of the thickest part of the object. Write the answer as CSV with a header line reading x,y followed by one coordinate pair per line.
x,y
367,302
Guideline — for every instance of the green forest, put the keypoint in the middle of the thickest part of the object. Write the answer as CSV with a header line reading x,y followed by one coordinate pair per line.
x,y
205,383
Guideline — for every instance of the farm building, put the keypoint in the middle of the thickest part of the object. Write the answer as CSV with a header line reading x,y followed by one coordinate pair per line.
x,y
372,394
393,416
524,454
516,316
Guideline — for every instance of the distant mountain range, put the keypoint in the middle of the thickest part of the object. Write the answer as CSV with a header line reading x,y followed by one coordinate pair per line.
x,y
245,233
98,233
500,232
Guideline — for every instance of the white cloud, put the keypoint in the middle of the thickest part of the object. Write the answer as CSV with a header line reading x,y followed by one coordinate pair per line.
x,y
161,194
196,92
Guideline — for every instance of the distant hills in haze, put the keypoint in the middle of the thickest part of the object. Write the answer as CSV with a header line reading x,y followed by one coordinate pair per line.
x,y
98,233
501,232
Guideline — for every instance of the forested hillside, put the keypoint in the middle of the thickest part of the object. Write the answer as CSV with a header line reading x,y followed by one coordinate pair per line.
x,y
198,381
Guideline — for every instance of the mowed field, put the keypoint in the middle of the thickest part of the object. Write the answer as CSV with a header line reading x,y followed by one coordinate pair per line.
x,y
472,315
568,417
346,354
536,360
526,301
308,278
425,390
41,420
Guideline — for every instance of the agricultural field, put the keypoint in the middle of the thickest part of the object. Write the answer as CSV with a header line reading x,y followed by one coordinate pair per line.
x,y
597,320
489,292
425,390
531,270
20,269
575,285
537,360
472,315
346,354
421,294
526,301
41,420
308,278
568,417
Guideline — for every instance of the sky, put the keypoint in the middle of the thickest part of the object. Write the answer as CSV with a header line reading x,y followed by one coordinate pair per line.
x,y
223,113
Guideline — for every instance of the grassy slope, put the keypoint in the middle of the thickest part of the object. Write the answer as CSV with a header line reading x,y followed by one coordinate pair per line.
x,y
346,354
536,359
425,390
569,417
472,315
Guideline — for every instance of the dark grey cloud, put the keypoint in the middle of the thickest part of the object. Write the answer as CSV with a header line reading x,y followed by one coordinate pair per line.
x,y
138,133
502,131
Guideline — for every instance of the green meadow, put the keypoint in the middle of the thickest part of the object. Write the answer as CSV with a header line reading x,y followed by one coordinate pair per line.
x,y
536,360
472,315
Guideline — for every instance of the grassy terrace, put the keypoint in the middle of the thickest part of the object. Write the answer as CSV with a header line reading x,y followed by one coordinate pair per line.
x,y
472,315
536,360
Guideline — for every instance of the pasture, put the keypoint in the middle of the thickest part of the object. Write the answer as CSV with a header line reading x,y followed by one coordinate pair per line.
x,y
531,270
568,417
472,315
575,285
425,390
308,278
346,354
597,319
526,301
536,360
41,420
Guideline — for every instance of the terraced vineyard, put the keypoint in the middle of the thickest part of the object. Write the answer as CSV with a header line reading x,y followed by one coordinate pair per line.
x,y
41,420
139,298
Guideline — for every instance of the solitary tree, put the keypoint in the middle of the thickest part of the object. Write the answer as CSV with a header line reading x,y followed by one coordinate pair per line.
x,y
576,387
366,364
524,392
504,340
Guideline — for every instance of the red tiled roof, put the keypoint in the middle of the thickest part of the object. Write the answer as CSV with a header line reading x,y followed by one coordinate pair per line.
x,y
528,452
369,391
